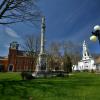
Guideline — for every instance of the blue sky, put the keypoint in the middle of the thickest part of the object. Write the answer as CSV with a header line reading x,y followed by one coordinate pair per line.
x,y
65,20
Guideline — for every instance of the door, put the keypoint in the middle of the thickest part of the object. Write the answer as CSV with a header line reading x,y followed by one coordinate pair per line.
x,y
10,68
1,68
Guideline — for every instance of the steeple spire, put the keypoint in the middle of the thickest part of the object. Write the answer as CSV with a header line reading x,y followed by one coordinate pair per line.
x,y
86,54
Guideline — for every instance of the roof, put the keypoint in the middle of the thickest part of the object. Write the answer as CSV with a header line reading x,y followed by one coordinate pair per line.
x,y
97,60
3,58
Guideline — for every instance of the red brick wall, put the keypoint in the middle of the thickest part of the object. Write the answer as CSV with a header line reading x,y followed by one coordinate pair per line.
x,y
21,63
12,57
24,63
4,62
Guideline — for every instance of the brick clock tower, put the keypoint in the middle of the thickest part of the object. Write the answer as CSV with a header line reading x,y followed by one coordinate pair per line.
x,y
13,49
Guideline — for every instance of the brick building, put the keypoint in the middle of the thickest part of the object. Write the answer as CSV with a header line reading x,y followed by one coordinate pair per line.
x,y
3,63
18,60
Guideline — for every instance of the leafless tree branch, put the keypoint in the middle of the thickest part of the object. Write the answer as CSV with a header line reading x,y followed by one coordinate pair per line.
x,y
13,11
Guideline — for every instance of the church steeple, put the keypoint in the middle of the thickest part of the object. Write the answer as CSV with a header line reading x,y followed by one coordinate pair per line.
x,y
87,62
86,54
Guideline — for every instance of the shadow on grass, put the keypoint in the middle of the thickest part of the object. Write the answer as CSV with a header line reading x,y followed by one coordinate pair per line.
x,y
21,89
14,88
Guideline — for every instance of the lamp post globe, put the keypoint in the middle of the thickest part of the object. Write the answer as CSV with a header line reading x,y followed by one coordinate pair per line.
x,y
95,34
96,28
93,38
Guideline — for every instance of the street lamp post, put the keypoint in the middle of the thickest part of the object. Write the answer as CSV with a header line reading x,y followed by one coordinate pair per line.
x,y
95,34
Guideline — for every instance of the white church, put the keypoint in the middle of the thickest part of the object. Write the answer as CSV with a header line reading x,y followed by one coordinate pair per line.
x,y
87,62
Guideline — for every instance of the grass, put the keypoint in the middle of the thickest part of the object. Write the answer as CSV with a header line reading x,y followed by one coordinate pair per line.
x,y
79,86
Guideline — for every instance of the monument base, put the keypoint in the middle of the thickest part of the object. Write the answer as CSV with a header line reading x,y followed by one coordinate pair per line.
x,y
49,73
39,74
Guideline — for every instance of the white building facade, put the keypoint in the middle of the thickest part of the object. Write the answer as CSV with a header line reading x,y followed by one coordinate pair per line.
x,y
87,62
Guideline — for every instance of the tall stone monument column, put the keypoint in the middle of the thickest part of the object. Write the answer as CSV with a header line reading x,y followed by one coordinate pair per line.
x,y
42,57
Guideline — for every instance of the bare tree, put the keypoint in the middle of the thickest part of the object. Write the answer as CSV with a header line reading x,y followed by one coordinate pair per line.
x,y
54,48
54,55
31,44
72,50
12,11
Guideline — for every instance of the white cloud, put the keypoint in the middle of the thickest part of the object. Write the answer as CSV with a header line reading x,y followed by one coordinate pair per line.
x,y
11,32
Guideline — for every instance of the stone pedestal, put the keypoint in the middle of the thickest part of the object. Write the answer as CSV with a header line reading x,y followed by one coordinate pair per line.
x,y
42,62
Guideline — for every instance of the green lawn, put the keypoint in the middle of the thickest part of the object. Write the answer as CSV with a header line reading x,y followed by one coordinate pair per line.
x,y
79,86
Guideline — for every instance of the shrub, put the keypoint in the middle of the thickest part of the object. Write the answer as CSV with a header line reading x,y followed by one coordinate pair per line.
x,y
60,74
27,75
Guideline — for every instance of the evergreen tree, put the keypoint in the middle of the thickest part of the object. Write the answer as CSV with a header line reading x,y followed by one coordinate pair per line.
x,y
67,64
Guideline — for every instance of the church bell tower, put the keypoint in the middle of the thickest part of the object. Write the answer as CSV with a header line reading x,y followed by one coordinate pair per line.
x,y
86,54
